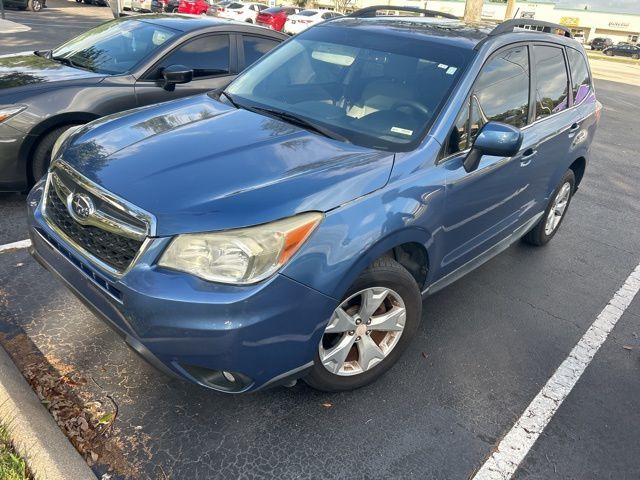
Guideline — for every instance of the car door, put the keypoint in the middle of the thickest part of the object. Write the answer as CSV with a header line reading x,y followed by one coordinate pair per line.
x,y
484,207
213,58
555,124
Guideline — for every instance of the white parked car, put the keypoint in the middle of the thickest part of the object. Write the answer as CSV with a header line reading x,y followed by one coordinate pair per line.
x,y
243,12
307,18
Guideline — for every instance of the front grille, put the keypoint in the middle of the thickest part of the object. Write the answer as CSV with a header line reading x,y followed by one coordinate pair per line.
x,y
113,242
115,250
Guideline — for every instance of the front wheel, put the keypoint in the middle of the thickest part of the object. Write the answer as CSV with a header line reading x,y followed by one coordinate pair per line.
x,y
609,54
635,56
553,216
35,5
369,330
42,153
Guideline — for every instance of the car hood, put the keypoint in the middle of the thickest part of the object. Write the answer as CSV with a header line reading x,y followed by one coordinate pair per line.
x,y
27,69
199,165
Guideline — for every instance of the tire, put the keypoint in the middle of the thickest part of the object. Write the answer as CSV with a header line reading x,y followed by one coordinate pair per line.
x,y
42,153
384,273
34,5
635,56
539,235
609,54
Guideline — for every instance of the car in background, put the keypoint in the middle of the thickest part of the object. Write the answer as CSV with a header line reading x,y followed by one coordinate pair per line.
x,y
33,5
307,18
195,7
130,62
290,225
600,43
275,17
632,51
142,6
242,12
164,6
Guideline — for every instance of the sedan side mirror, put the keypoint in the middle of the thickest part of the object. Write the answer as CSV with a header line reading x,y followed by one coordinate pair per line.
x,y
174,74
494,138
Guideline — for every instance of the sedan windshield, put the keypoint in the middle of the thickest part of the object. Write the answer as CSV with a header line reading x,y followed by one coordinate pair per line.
x,y
374,90
114,47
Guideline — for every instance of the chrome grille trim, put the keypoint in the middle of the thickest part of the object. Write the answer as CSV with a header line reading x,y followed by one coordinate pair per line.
x,y
113,201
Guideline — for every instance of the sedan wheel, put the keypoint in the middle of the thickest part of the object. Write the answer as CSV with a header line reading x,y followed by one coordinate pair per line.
x,y
362,332
35,5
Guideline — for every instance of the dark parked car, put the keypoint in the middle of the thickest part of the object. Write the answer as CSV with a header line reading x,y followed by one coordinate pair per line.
x,y
119,65
33,5
290,225
601,43
632,51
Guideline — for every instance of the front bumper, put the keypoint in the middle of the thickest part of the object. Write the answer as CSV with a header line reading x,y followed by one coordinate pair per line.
x,y
262,334
13,172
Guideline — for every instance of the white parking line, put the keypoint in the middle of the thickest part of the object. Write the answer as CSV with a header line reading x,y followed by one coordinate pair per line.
x,y
513,448
15,245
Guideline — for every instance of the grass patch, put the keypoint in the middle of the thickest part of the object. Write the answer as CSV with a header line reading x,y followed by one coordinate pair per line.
x,y
12,467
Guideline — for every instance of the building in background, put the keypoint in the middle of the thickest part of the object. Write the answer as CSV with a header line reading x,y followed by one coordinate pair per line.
x,y
585,24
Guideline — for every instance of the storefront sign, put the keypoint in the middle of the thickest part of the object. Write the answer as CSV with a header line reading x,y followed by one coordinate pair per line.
x,y
618,24
570,21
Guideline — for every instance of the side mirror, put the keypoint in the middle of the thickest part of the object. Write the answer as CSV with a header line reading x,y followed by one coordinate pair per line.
x,y
494,138
174,74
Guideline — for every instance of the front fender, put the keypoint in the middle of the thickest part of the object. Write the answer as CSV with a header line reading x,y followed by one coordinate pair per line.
x,y
354,235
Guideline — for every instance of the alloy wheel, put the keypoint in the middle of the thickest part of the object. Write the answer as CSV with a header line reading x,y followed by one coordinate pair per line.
x,y
363,331
558,208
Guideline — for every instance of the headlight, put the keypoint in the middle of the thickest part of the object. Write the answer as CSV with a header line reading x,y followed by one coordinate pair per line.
x,y
8,111
242,256
66,134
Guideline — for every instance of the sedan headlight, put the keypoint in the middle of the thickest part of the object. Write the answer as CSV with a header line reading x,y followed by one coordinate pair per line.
x,y
242,256
61,139
8,111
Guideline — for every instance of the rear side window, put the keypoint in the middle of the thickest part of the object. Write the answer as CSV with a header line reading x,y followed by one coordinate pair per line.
x,y
501,93
580,80
552,85
256,47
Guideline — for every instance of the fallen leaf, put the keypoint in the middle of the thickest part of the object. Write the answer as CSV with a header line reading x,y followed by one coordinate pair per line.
x,y
327,404
424,355
106,418
94,456
627,347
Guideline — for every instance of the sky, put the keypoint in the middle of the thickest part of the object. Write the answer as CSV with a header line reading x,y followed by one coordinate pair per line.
x,y
621,6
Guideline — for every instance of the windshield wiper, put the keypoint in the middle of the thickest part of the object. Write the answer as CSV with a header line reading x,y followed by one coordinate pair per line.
x,y
230,98
70,63
43,53
300,121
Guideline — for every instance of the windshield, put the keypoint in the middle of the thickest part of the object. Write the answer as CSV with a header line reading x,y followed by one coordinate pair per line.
x,y
374,90
114,47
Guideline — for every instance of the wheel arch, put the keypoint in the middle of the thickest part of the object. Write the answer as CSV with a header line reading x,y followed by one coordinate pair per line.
x,y
578,166
408,247
43,128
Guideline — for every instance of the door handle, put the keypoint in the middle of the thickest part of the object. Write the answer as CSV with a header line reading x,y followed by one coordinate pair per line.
x,y
527,156
574,128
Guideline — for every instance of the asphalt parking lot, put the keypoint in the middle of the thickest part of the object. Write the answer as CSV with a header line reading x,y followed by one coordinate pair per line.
x,y
486,346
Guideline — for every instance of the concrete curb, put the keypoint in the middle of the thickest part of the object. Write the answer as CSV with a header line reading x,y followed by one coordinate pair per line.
x,y
34,433
7,26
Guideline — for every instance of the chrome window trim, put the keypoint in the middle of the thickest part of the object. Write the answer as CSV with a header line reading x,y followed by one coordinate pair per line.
x,y
108,197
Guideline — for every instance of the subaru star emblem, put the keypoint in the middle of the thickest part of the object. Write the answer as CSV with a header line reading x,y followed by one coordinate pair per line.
x,y
81,207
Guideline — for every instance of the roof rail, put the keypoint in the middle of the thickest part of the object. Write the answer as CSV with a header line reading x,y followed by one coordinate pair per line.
x,y
371,11
510,25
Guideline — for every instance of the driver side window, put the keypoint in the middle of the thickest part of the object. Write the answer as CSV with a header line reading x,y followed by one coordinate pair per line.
x,y
500,93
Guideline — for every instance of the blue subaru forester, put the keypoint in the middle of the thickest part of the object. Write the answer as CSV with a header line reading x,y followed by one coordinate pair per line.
x,y
289,226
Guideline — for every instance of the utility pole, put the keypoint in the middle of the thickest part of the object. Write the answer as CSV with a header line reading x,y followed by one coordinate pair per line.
x,y
511,4
472,10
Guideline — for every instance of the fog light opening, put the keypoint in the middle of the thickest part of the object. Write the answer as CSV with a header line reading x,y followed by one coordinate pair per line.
x,y
218,379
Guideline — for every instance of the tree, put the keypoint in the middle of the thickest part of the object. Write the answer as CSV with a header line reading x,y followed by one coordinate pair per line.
x,y
472,10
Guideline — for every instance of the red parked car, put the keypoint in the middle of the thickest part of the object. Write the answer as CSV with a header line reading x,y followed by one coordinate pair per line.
x,y
194,7
275,17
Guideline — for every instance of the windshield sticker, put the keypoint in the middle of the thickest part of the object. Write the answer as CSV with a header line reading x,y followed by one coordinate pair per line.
x,y
451,70
443,66
402,131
